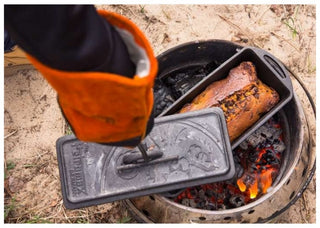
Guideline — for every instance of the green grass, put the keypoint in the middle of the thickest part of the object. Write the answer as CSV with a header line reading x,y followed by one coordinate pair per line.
x,y
82,220
10,165
68,130
10,207
142,9
290,22
126,219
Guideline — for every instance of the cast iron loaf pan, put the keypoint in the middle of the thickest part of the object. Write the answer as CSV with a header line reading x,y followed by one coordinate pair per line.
x,y
269,70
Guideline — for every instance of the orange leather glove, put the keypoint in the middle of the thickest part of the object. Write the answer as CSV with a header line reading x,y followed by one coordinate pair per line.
x,y
105,107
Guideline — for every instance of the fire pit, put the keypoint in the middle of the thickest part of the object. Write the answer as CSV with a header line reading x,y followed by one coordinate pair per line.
x,y
274,165
258,161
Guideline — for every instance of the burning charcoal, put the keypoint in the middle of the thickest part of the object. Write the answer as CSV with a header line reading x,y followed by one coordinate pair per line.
x,y
185,202
276,134
244,145
210,206
192,203
239,170
181,82
275,162
201,194
169,98
271,156
252,156
237,201
230,182
209,67
279,147
193,192
209,193
249,179
201,204
254,140
263,145
269,152
158,84
170,81
162,104
221,207
236,157
276,141
267,131
253,167
257,162
162,97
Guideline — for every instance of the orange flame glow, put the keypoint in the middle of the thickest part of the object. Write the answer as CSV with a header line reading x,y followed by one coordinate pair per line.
x,y
266,179
261,183
241,185
253,189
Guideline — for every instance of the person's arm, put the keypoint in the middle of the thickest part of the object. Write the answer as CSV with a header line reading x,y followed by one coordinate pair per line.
x,y
71,38
100,64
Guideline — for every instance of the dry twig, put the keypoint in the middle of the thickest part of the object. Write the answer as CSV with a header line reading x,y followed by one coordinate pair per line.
x,y
245,32
285,40
12,133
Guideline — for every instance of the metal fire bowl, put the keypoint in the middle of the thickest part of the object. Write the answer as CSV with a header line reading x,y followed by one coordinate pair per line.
x,y
296,175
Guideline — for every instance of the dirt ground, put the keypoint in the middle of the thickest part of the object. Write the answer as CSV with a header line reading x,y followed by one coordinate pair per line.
x,y
33,121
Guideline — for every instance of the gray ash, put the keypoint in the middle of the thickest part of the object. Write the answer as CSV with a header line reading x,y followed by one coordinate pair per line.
x,y
257,159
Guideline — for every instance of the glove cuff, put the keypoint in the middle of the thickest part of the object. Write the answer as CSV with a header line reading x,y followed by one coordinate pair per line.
x,y
139,49
105,107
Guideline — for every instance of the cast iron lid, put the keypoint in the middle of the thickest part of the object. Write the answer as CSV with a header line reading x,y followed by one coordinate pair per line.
x,y
186,150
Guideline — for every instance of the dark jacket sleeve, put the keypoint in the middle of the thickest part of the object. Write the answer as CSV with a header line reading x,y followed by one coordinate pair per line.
x,y
70,38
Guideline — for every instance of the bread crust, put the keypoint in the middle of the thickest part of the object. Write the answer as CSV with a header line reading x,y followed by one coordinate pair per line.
x,y
242,97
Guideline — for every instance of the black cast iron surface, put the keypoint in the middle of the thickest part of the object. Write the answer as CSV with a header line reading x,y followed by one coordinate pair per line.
x,y
269,70
195,147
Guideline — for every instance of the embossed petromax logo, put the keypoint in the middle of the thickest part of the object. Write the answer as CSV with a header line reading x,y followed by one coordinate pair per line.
x,y
77,178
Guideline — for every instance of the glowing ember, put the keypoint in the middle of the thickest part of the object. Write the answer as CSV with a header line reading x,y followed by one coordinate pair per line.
x,y
259,157
266,179
254,189
259,177
241,185
261,162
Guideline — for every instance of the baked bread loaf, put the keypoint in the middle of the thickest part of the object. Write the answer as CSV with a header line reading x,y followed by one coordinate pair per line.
x,y
242,97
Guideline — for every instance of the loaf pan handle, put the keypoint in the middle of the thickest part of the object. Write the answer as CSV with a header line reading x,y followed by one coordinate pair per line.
x,y
276,65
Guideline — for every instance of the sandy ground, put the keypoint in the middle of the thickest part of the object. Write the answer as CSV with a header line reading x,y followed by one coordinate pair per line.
x,y
33,122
